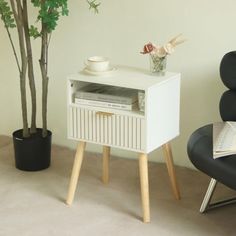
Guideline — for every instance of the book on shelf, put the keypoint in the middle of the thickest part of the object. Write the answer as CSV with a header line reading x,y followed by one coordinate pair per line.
x,y
224,139
107,93
127,107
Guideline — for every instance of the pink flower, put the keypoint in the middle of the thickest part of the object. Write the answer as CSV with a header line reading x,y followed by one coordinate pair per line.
x,y
148,48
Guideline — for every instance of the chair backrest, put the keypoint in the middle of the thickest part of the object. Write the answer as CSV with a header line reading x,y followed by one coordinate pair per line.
x,y
227,104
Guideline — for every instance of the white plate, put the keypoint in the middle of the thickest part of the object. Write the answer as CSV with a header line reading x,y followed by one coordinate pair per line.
x,y
101,73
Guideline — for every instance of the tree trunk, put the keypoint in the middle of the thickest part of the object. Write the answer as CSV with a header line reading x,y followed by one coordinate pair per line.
x,y
20,28
43,67
23,100
30,67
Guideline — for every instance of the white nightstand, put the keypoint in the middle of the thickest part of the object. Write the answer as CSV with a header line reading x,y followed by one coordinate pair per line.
x,y
138,131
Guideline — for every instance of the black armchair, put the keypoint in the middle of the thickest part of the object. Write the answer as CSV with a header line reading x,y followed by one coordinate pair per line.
x,y
200,143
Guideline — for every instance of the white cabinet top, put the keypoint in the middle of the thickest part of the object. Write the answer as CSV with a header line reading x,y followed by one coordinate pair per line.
x,y
125,76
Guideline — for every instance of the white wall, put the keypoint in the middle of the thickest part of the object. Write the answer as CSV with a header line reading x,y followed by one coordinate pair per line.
x,y
119,31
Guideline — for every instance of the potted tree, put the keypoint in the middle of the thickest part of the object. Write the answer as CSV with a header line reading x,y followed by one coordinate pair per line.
x,y
32,145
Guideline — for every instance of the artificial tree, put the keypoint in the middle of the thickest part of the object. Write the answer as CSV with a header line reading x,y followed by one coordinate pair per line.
x,y
14,14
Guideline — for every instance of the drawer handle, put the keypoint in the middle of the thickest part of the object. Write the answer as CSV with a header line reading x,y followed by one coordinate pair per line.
x,y
102,113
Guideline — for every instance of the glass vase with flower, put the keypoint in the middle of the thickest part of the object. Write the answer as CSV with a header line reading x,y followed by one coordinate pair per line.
x,y
158,54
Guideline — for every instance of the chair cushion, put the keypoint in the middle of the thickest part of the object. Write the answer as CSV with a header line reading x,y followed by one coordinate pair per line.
x,y
200,153
227,106
228,70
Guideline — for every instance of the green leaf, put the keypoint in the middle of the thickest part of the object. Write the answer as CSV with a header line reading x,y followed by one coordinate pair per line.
x,y
6,14
33,31
93,5
50,12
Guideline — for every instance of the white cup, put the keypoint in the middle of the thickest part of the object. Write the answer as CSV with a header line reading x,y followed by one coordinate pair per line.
x,y
97,63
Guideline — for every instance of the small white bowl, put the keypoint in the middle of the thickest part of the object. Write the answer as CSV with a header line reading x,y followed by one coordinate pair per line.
x,y
97,63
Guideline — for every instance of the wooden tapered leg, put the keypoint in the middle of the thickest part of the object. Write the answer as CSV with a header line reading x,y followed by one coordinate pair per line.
x,y
171,171
75,172
105,164
143,171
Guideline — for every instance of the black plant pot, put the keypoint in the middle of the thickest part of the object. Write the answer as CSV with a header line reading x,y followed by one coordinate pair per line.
x,y
33,153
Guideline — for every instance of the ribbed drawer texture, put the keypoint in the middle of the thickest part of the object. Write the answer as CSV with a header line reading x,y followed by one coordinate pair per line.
x,y
106,128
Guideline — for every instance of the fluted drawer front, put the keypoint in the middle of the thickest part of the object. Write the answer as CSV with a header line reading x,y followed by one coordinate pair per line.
x,y
111,129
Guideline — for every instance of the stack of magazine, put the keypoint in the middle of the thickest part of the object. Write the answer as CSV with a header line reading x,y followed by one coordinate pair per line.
x,y
224,139
107,96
